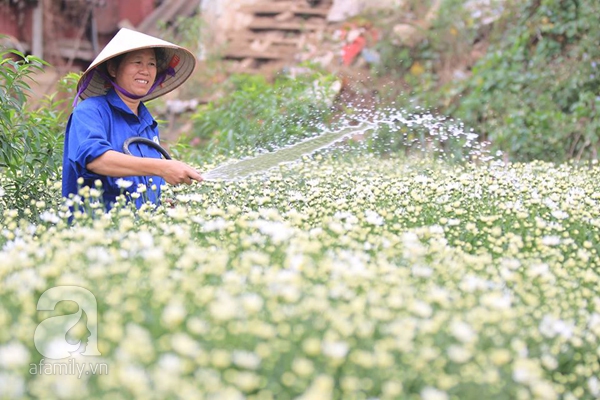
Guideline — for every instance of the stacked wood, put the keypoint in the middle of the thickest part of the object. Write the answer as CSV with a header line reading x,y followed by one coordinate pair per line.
x,y
275,31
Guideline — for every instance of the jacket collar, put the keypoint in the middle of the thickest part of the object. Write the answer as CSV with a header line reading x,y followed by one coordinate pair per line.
x,y
117,103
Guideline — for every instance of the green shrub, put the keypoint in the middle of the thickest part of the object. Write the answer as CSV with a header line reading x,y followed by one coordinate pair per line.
x,y
256,114
30,140
534,94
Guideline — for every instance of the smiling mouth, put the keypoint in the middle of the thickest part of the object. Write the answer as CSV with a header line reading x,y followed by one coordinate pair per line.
x,y
142,81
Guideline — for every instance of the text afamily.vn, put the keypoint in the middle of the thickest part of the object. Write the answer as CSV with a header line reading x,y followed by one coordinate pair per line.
x,y
70,367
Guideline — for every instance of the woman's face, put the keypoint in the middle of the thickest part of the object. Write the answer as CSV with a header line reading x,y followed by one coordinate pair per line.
x,y
136,72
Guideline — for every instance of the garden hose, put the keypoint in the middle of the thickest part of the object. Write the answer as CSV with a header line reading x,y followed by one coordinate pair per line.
x,y
151,143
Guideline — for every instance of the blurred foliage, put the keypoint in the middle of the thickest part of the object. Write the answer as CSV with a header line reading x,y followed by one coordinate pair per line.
x,y
533,94
185,31
30,140
258,115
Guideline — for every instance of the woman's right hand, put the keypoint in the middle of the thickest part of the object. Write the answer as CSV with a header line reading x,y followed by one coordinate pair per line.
x,y
118,165
176,172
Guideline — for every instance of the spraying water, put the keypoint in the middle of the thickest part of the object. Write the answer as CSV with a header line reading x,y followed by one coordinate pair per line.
x,y
439,132
266,161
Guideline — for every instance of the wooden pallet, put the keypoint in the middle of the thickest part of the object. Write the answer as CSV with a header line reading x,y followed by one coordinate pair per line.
x,y
276,32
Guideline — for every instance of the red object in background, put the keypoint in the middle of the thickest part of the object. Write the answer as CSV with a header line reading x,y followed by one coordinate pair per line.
x,y
18,24
350,51
115,11
9,23
135,11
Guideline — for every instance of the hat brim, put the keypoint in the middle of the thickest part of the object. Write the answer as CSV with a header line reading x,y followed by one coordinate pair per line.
x,y
180,59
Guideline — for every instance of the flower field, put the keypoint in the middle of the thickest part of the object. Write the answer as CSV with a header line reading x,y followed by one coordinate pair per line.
x,y
327,279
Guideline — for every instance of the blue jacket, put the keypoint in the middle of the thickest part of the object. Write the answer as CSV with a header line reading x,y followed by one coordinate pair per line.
x,y
103,123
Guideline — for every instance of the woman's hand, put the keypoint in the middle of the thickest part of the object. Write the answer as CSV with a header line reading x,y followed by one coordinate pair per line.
x,y
176,172
118,165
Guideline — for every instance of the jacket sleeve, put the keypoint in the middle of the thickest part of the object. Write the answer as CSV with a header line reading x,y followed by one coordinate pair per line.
x,y
88,138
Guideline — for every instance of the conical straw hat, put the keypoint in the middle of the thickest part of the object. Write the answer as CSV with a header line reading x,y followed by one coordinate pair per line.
x,y
180,59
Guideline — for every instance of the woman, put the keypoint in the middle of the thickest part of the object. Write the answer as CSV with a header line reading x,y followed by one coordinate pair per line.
x,y
131,69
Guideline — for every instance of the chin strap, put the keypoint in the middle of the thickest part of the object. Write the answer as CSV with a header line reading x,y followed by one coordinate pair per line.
x,y
160,78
